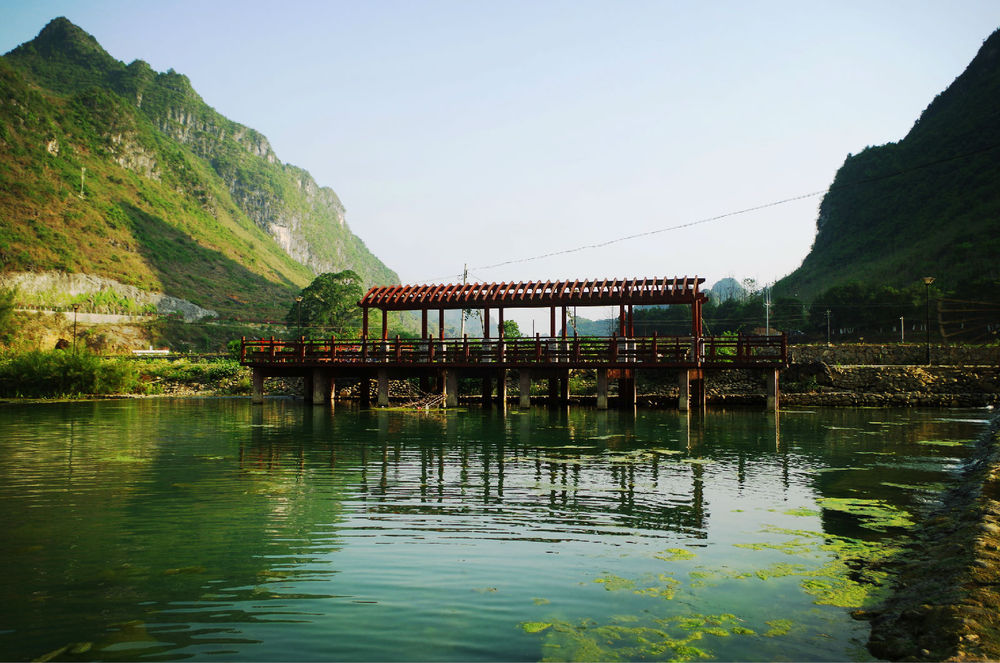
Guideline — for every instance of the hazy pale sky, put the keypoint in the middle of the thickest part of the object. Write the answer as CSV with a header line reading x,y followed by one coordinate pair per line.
x,y
485,132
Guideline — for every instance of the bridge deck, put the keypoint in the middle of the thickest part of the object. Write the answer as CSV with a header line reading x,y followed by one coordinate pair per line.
x,y
707,352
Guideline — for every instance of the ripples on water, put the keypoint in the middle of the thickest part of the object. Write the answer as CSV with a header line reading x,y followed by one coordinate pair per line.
x,y
167,529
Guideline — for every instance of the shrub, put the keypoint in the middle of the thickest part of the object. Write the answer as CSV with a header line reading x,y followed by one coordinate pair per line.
x,y
52,373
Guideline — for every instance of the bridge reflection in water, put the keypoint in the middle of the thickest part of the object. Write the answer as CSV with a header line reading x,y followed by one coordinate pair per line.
x,y
586,473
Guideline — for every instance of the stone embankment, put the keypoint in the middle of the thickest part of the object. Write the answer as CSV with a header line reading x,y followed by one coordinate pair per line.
x,y
874,375
946,600
37,288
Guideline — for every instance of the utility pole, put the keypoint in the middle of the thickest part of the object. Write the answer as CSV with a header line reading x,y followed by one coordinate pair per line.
x,y
828,326
465,278
902,323
767,311
927,314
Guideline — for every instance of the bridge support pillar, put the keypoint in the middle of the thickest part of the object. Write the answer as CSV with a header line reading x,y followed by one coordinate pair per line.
x,y
502,388
684,387
626,389
602,389
383,387
553,390
524,391
564,387
773,390
698,400
698,396
451,388
308,382
257,390
487,389
322,387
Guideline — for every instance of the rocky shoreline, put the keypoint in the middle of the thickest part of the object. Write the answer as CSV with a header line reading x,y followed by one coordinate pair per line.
x,y
946,599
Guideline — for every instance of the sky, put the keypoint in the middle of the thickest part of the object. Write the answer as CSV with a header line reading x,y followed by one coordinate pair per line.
x,y
488,134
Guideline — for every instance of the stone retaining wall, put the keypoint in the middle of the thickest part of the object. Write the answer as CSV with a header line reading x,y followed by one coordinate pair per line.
x,y
871,354
815,377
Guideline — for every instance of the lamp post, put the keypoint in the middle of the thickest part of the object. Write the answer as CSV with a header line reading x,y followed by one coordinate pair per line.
x,y
76,307
828,326
927,314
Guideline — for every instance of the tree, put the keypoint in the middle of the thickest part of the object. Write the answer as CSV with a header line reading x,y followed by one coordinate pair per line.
x,y
7,321
328,305
510,329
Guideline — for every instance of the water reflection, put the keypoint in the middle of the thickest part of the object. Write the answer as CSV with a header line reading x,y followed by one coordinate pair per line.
x,y
194,528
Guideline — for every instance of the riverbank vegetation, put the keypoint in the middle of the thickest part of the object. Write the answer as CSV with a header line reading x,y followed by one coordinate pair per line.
x,y
849,312
68,374
56,373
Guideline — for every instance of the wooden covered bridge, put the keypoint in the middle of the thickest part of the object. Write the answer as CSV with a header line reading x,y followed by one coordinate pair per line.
x,y
444,360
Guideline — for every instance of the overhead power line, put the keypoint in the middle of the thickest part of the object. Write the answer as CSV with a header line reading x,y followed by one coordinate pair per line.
x,y
720,217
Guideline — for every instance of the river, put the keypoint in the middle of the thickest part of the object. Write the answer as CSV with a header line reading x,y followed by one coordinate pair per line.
x,y
163,529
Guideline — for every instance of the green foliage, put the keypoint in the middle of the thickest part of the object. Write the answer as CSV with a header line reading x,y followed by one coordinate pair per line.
x,y
866,310
329,305
510,329
55,373
7,317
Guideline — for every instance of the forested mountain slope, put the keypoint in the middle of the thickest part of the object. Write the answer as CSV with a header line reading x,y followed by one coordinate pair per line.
x,y
928,205
126,173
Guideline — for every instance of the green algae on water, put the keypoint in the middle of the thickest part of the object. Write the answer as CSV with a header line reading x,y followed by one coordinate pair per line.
x,y
535,627
801,511
874,514
675,555
778,627
796,547
625,639
614,583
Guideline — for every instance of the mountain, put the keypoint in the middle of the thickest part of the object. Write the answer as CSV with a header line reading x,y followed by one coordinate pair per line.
x,y
125,173
928,205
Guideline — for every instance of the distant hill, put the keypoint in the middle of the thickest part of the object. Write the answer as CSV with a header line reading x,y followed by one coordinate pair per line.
x,y
126,173
928,205
726,289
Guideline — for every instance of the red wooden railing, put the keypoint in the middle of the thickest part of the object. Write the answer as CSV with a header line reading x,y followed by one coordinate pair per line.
x,y
575,352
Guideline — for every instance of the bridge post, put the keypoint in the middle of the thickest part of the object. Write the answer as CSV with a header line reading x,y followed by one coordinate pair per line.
x,y
602,389
308,384
322,387
383,387
626,389
553,389
487,389
451,388
564,386
524,392
502,388
698,397
684,387
771,378
257,390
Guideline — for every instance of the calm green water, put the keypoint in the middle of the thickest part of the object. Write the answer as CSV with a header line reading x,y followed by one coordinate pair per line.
x,y
211,529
